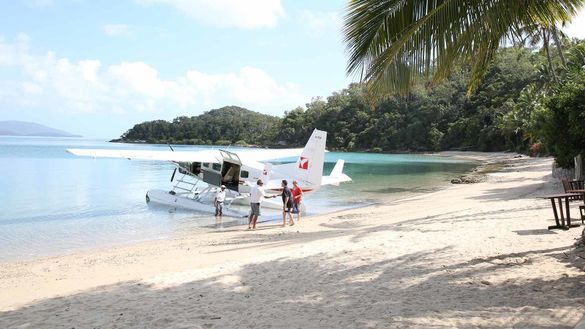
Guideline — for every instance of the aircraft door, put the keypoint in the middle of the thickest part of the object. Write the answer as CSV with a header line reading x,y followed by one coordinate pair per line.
x,y
230,171
212,173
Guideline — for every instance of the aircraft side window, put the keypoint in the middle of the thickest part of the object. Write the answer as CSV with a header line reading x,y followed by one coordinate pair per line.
x,y
196,168
244,174
216,166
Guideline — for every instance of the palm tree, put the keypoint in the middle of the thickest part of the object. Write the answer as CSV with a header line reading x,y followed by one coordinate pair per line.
x,y
535,35
392,44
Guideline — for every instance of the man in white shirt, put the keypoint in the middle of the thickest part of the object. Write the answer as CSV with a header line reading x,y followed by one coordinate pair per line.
x,y
256,196
218,201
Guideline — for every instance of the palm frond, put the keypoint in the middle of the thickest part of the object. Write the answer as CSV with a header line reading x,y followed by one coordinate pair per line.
x,y
392,44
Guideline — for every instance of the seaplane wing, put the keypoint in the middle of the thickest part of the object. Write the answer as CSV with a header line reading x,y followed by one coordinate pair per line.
x,y
268,154
211,156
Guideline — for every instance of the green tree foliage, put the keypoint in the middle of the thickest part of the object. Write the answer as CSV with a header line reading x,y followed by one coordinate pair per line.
x,y
523,126
150,132
431,117
227,125
541,117
566,129
502,84
565,124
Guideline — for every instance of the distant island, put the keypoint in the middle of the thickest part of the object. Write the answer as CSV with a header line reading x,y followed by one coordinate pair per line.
x,y
229,125
23,128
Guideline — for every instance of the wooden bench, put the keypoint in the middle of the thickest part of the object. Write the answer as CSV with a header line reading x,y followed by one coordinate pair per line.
x,y
570,185
577,184
581,192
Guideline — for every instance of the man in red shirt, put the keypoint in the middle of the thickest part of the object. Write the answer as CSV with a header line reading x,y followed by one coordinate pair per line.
x,y
297,194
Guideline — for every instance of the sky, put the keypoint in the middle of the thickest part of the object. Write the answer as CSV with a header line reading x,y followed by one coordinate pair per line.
x,y
97,68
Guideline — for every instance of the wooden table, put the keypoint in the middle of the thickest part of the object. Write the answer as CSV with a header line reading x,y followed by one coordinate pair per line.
x,y
560,220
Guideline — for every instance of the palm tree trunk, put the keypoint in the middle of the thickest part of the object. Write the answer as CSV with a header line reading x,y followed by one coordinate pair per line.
x,y
578,167
545,41
555,35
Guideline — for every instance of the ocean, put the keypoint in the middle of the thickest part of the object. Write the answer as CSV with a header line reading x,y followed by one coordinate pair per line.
x,y
52,202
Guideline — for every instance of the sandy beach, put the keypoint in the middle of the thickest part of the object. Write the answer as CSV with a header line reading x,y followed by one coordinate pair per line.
x,y
468,256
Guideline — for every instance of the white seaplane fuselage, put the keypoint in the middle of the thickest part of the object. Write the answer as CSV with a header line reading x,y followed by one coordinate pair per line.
x,y
200,174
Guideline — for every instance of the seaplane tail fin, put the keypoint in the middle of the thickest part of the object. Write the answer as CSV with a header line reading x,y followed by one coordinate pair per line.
x,y
309,166
338,168
337,176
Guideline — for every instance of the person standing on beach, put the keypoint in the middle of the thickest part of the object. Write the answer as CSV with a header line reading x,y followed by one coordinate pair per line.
x,y
218,201
287,203
297,194
256,196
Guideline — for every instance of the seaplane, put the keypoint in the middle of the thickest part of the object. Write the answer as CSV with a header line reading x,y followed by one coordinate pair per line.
x,y
202,173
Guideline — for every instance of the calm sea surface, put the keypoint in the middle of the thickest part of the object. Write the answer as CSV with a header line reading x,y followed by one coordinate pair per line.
x,y
52,202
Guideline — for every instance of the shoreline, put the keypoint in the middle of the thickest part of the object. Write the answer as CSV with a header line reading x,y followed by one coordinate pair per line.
x,y
16,255
468,255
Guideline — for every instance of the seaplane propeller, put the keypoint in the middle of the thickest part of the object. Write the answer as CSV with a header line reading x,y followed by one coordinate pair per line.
x,y
174,171
173,175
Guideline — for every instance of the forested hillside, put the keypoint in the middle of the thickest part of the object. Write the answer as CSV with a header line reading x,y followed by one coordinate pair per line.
x,y
430,118
509,110
224,126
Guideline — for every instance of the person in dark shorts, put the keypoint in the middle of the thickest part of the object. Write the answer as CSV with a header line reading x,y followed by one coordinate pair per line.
x,y
256,196
219,200
287,203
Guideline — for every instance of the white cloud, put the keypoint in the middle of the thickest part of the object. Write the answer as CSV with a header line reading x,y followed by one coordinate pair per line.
x,y
248,86
320,20
89,86
228,13
139,77
12,53
117,30
31,88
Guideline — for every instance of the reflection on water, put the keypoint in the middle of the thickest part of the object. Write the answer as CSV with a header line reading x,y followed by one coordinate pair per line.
x,y
53,202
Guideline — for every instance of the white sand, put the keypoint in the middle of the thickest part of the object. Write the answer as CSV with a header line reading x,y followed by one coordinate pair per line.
x,y
475,256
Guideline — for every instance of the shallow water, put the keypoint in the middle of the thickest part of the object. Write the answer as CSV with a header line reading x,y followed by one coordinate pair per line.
x,y
52,202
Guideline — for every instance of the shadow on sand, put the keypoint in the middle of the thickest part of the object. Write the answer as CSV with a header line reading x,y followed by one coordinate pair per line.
x,y
365,295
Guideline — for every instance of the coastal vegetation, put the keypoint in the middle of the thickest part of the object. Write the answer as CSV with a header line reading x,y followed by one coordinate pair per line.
x,y
230,125
393,45
517,107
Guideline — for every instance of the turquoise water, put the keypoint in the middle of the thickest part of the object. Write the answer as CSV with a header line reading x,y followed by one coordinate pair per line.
x,y
53,202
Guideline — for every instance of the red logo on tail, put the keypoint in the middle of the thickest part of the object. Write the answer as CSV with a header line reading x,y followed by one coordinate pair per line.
x,y
304,163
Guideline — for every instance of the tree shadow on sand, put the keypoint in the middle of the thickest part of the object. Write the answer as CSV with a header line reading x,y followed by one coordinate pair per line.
x,y
321,291
526,191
